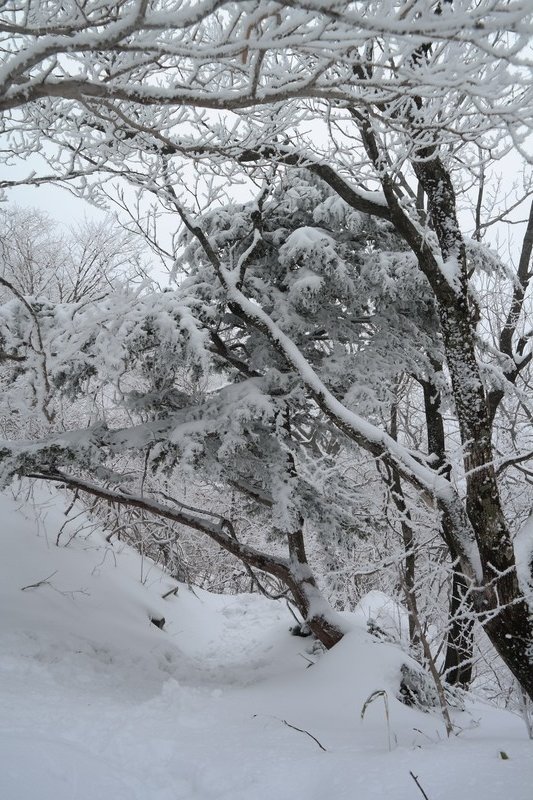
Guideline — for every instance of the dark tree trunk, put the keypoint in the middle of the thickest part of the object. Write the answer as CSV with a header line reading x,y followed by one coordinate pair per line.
x,y
307,597
459,644
408,573
460,639
499,600
301,582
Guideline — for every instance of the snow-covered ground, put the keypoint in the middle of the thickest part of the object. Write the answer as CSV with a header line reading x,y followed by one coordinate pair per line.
x,y
99,704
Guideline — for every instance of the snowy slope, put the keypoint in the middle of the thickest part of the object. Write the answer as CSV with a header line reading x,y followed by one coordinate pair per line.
x,y
98,704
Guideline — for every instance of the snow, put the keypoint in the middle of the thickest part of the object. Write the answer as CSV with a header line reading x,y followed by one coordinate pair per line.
x,y
390,617
99,703
452,272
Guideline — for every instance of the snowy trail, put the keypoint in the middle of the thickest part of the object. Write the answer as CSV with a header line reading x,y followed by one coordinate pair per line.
x,y
98,704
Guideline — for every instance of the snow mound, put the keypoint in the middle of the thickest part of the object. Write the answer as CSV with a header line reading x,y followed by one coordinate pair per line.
x,y
376,609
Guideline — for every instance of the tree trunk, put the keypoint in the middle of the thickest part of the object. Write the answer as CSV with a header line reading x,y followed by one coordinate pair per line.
x,y
459,643
502,608
309,601
394,482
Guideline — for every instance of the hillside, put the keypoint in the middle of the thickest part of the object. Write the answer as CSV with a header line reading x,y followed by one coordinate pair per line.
x,y
100,704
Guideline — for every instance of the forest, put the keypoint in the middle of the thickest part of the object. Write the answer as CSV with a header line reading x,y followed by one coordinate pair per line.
x,y
284,358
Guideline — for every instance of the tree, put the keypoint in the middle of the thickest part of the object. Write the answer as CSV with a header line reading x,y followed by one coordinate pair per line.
x,y
42,264
83,262
387,104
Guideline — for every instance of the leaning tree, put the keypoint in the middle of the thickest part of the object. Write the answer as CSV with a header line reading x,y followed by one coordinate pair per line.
x,y
400,108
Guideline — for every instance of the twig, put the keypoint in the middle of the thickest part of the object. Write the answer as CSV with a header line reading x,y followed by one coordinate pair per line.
x,y
415,778
173,591
424,734
298,622
44,582
301,730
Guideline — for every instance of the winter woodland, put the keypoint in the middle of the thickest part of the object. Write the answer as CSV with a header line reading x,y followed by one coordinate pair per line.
x,y
294,357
